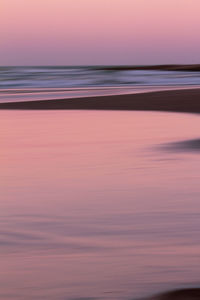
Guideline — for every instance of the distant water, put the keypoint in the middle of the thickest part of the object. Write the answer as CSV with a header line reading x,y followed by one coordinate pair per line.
x,y
35,83
98,204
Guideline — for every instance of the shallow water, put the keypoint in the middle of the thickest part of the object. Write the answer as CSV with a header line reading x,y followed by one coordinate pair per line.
x,y
21,95
98,204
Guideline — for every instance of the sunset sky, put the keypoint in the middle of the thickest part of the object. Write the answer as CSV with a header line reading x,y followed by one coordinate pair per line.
x,y
87,32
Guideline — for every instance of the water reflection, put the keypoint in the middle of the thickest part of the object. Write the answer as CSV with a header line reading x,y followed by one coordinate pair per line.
x,y
88,209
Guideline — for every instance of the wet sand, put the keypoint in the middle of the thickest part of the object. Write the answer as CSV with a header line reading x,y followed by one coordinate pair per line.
x,y
171,101
183,294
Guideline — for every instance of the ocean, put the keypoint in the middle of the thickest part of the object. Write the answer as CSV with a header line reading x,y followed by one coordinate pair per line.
x,y
56,82
96,204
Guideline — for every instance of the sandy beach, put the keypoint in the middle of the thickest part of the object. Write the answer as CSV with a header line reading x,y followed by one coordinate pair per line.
x,y
187,100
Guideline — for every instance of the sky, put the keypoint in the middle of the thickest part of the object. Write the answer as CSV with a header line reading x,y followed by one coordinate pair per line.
x,y
96,32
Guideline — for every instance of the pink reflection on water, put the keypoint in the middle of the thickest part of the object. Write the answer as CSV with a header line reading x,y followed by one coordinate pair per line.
x,y
92,207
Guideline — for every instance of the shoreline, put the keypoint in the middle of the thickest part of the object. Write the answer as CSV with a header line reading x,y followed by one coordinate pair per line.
x,y
39,94
186,100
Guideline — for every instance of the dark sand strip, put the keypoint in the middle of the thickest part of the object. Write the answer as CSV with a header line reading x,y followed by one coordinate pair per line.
x,y
187,68
183,294
171,101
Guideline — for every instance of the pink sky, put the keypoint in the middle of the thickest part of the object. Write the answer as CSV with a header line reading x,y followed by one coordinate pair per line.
x,y
73,32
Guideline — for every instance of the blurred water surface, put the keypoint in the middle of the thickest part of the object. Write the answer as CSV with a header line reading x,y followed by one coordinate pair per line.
x,y
98,204
52,82
89,76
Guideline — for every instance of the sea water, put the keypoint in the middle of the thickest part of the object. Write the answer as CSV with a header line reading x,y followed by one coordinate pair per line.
x,y
53,82
98,204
